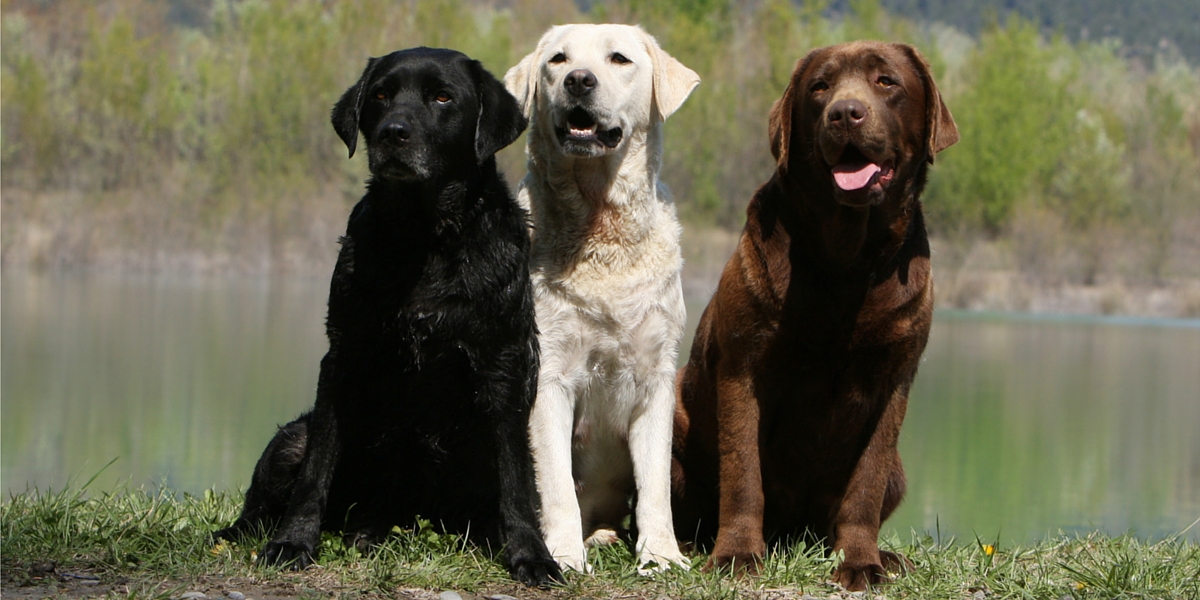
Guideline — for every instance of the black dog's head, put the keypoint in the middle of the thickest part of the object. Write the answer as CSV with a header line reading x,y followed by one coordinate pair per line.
x,y
425,112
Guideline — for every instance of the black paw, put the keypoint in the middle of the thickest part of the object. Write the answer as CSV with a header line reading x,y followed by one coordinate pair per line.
x,y
364,540
240,530
292,555
536,573
530,562
233,533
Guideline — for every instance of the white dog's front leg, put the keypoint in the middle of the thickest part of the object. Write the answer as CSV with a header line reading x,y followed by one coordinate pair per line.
x,y
550,428
650,447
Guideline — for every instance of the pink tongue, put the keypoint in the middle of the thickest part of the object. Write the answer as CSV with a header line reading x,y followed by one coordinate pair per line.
x,y
853,177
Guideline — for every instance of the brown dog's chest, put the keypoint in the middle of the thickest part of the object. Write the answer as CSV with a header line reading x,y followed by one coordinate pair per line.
x,y
842,348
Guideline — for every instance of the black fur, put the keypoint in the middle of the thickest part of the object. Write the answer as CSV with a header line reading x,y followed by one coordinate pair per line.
x,y
424,397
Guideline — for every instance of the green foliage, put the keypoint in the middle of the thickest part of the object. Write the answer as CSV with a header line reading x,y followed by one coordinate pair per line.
x,y
1014,120
1142,29
227,124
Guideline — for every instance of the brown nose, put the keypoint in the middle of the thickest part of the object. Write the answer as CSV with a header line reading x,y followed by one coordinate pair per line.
x,y
847,113
580,82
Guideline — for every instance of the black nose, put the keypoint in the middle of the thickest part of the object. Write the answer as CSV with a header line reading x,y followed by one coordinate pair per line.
x,y
847,113
398,131
580,82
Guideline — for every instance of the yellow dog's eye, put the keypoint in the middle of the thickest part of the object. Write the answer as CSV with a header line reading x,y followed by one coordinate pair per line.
x,y
558,58
620,59
442,97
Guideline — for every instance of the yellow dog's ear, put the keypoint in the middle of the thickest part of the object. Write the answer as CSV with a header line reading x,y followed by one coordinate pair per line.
x,y
943,133
521,80
673,82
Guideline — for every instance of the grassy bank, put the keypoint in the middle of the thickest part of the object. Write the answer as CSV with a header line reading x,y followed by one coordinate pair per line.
x,y
154,544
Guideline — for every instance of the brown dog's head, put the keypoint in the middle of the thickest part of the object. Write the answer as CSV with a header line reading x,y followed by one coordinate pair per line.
x,y
858,117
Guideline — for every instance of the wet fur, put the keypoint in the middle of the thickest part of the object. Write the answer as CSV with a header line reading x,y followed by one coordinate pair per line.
x,y
424,396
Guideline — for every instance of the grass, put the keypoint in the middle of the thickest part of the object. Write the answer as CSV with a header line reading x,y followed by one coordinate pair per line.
x,y
155,544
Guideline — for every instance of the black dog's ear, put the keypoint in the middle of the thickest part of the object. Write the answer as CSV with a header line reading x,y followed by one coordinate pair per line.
x,y
501,119
346,111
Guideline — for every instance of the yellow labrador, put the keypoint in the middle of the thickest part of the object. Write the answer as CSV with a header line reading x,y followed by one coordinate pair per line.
x,y
605,267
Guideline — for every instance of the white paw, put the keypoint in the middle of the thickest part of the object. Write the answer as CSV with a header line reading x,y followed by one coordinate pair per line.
x,y
657,556
601,537
570,557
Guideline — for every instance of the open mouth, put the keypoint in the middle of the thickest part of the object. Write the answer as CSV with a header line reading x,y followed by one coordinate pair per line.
x,y
581,127
854,171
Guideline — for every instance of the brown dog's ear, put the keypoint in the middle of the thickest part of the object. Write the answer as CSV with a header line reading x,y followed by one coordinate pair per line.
x,y
347,110
779,123
943,133
673,82
500,118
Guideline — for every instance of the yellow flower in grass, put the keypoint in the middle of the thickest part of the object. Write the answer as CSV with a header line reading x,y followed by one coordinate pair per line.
x,y
218,548
989,549
1079,585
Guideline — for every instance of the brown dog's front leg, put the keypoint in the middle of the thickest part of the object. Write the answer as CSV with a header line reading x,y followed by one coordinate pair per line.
x,y
856,528
740,521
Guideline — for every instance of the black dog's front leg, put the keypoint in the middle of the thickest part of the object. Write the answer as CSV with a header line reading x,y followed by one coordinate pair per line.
x,y
295,542
273,482
525,552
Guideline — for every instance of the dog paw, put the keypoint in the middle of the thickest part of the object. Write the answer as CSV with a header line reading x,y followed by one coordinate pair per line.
x,y
601,537
856,577
536,572
737,562
738,554
570,556
656,556
233,533
895,563
364,540
529,561
284,553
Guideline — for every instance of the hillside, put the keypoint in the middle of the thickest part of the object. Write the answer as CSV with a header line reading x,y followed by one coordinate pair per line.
x,y
1141,26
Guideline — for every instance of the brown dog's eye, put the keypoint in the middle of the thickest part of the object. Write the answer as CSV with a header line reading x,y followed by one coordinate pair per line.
x,y
442,97
558,58
885,81
620,59
819,86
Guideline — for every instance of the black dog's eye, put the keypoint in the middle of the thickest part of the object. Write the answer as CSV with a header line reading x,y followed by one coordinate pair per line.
x,y
558,58
819,86
885,81
620,59
442,96
379,95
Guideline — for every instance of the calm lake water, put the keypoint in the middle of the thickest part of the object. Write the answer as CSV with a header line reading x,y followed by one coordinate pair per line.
x,y
1018,427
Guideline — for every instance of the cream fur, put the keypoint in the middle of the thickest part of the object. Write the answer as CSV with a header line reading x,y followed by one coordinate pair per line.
x,y
605,268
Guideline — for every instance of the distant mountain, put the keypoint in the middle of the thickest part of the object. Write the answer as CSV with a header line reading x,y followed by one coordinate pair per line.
x,y
1141,25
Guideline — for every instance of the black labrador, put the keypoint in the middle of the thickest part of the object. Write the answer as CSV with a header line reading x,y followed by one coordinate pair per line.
x,y
424,396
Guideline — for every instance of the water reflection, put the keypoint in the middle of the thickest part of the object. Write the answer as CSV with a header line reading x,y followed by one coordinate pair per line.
x,y
1017,427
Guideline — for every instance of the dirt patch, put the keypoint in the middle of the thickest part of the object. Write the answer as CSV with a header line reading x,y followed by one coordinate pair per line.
x,y
49,580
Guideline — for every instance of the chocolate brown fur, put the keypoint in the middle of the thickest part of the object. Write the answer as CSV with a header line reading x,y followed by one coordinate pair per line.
x,y
791,402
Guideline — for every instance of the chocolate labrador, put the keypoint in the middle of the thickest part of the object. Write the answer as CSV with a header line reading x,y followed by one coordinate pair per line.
x,y
424,396
791,402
